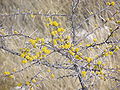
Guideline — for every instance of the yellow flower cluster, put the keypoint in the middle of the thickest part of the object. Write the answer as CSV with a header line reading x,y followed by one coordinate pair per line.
x,y
27,56
52,23
99,72
33,42
65,46
46,50
109,53
8,73
110,3
88,59
24,61
59,31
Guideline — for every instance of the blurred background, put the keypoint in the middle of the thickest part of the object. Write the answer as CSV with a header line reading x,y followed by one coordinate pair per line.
x,y
30,18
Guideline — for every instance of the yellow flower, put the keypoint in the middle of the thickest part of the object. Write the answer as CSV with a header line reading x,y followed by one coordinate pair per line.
x,y
97,72
111,53
55,23
77,49
53,33
2,29
94,39
70,61
27,50
22,55
30,59
42,40
28,83
118,22
66,46
32,16
106,54
116,48
112,18
27,57
78,57
33,42
48,70
112,3
60,29
24,61
99,62
44,56
83,73
47,51
89,59
95,66
91,13
33,80
19,84
52,75
96,25
102,78
34,57
42,43
80,54
38,39
11,76
60,46
96,56
110,46
80,44
88,45
44,48
92,72
62,40
49,19
72,53
15,32
68,37
47,25
37,85
54,42
72,49
101,72
108,3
